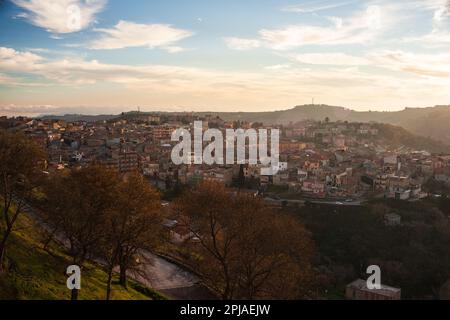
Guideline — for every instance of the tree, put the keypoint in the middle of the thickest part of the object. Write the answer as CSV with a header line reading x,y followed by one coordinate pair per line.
x,y
79,203
210,217
241,177
21,165
247,250
275,253
135,224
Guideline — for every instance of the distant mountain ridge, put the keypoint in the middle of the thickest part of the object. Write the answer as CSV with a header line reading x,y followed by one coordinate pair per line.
x,y
79,117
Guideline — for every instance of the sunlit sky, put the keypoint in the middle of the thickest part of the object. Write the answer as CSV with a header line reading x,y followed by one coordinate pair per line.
x,y
234,55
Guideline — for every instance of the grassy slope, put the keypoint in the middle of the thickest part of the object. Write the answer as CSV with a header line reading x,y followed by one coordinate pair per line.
x,y
37,275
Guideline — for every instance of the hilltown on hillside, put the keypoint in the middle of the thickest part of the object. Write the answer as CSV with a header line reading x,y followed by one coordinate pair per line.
x,y
326,161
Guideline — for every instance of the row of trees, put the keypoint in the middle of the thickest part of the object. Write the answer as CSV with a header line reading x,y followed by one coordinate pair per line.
x,y
105,217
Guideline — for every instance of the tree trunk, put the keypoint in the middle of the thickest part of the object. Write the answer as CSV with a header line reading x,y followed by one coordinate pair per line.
x,y
2,254
227,295
3,249
74,295
108,284
123,276
49,239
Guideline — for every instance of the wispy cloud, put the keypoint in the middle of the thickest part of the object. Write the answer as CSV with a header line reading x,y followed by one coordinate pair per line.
x,y
316,6
129,34
12,60
276,85
439,35
242,44
332,59
427,65
359,28
62,16
33,110
362,27
174,49
28,109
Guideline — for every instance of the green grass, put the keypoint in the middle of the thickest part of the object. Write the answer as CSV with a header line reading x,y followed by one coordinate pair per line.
x,y
35,274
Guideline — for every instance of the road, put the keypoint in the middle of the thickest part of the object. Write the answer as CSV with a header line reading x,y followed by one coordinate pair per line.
x,y
280,202
170,279
339,203
159,274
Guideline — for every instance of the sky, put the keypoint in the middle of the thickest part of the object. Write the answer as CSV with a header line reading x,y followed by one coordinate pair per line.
x,y
109,56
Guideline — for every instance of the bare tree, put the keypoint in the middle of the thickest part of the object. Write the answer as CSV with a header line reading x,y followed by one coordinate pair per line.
x,y
135,224
21,165
275,254
247,250
210,217
79,204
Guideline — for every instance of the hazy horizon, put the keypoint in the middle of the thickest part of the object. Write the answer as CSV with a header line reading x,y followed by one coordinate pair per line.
x,y
235,56
87,111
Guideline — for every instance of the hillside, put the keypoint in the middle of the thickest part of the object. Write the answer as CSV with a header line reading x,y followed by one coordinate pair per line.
x,y
35,274
396,136
427,122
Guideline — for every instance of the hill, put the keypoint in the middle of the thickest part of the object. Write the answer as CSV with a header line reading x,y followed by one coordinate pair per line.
x,y
79,117
36,274
396,137
427,122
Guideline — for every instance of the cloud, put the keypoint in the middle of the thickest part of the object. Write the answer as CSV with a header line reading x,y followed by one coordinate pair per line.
x,y
442,14
242,44
439,36
37,110
8,81
39,50
360,28
72,70
174,49
12,60
129,34
56,37
73,81
427,65
27,109
335,59
315,6
434,39
62,16
276,67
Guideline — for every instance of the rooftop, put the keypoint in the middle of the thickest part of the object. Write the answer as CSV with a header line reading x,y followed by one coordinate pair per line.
x,y
385,290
